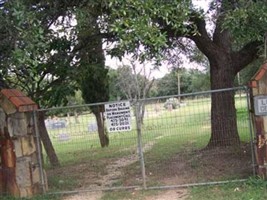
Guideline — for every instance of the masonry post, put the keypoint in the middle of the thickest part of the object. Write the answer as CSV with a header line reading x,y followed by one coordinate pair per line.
x,y
20,174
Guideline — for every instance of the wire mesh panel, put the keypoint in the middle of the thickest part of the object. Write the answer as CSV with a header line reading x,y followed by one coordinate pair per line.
x,y
171,141
90,159
179,142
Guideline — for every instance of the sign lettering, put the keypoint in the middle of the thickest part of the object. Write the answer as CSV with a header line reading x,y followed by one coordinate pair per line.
x,y
118,116
260,105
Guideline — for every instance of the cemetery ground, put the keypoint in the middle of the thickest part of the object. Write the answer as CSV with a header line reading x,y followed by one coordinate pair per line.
x,y
173,155
254,188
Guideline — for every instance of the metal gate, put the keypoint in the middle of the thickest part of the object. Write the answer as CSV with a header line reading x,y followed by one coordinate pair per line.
x,y
165,147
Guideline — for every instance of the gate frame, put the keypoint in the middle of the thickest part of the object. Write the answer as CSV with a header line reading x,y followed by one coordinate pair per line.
x,y
140,147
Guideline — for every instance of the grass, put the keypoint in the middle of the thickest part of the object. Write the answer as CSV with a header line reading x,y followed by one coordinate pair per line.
x,y
62,183
253,189
72,151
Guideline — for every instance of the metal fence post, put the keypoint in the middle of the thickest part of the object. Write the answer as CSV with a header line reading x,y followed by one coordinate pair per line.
x,y
39,156
139,142
250,130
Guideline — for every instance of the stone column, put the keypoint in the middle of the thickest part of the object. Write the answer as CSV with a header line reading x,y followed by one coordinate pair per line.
x,y
20,173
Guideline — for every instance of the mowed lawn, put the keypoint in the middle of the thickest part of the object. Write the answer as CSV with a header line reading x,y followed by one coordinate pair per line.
x,y
188,123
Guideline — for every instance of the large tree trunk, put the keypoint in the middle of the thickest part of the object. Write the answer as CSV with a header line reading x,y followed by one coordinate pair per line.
x,y
48,146
103,136
223,113
225,63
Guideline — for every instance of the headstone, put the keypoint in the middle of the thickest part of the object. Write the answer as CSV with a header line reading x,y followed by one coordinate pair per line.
x,y
92,127
57,124
48,123
62,137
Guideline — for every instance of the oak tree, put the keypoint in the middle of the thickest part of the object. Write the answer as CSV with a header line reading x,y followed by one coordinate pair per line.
x,y
229,34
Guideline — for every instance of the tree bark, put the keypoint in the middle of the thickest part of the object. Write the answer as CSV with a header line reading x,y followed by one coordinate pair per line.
x,y
224,65
224,130
103,137
48,146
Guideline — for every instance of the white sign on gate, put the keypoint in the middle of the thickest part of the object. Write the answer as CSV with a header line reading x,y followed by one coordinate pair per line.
x,y
260,105
118,116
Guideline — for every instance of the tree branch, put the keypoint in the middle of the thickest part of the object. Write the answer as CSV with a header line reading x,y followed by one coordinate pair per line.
x,y
246,55
202,39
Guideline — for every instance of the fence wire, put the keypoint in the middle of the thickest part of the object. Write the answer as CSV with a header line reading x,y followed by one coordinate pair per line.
x,y
167,146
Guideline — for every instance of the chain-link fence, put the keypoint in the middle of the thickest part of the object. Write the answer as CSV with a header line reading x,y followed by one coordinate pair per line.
x,y
152,143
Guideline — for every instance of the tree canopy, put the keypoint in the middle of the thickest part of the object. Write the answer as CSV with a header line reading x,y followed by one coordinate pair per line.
x,y
34,54
151,28
43,61
191,80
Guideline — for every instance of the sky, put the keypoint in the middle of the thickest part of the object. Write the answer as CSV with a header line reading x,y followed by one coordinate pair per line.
x,y
202,3
164,68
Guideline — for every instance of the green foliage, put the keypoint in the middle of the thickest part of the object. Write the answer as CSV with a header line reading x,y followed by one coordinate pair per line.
x,y
247,21
94,84
246,74
76,99
167,85
137,25
93,75
115,92
191,80
36,62
200,81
